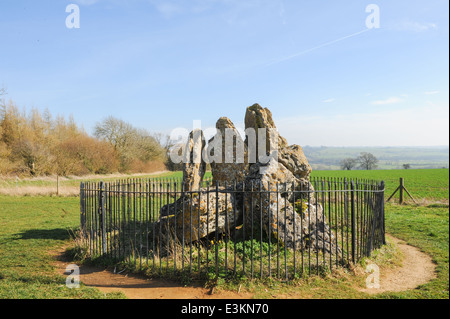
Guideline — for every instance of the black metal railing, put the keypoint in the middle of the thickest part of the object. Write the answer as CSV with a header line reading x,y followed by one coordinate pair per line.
x,y
251,230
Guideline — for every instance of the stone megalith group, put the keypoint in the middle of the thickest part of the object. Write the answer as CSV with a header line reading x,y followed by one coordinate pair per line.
x,y
259,181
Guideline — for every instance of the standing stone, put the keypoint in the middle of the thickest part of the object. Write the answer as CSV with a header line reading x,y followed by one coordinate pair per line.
x,y
298,225
272,197
257,117
316,233
230,163
266,186
194,166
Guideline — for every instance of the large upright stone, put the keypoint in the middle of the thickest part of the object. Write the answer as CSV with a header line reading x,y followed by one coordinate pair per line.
x,y
297,222
230,165
257,117
194,166
273,194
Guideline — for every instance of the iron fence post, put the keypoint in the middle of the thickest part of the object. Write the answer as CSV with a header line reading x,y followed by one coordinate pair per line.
x,y
382,213
102,212
353,221
82,210
217,230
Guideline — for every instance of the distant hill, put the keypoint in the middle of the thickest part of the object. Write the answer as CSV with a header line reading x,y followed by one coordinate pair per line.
x,y
329,158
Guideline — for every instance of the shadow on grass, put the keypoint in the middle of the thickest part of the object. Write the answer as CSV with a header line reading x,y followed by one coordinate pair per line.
x,y
55,234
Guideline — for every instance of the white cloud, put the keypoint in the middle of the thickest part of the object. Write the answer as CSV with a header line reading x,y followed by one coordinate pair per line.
x,y
329,100
167,8
391,100
432,92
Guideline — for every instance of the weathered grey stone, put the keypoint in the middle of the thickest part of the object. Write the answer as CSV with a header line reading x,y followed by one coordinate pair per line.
x,y
272,176
271,204
231,164
293,158
194,166
297,228
194,217
257,117
316,232
276,193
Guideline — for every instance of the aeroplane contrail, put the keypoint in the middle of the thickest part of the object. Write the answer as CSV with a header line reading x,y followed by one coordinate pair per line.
x,y
317,47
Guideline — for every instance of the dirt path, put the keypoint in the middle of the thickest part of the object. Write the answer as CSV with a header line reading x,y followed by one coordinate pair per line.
x,y
417,268
139,287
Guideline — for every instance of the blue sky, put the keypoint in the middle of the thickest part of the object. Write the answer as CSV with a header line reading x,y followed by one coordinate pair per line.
x,y
162,64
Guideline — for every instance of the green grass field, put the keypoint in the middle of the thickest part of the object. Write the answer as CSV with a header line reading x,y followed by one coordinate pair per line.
x,y
33,226
429,184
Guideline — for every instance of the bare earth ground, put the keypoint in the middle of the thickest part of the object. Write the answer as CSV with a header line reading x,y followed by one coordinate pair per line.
x,y
140,287
417,269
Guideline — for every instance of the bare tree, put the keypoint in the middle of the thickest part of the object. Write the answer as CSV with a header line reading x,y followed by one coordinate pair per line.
x,y
367,161
348,164
2,101
115,131
129,142
163,140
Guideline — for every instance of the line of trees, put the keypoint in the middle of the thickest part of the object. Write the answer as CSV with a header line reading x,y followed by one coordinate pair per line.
x,y
365,161
34,143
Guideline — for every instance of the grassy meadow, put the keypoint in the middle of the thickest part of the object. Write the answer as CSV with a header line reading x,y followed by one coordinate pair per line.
x,y
33,226
423,184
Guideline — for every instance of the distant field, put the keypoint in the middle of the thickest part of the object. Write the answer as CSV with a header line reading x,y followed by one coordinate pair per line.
x,y
329,158
430,184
